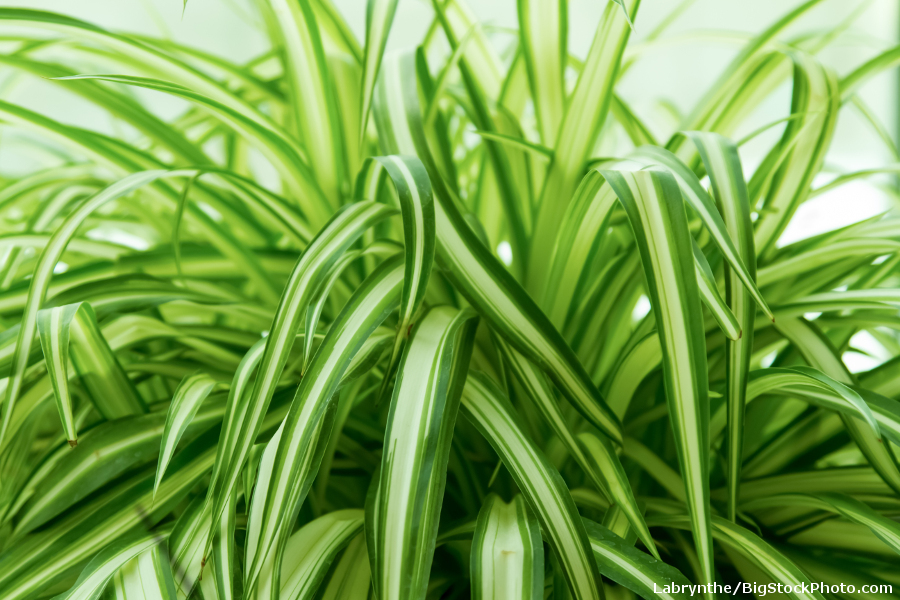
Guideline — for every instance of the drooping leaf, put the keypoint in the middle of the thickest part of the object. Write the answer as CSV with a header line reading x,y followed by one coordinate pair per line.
x,y
656,211
723,164
51,254
480,276
414,193
243,424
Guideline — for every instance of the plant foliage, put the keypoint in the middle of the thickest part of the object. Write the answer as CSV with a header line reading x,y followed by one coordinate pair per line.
x,y
356,324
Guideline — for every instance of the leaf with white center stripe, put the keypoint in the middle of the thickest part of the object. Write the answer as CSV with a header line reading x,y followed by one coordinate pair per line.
x,y
699,200
477,273
629,567
587,109
542,28
594,455
816,95
148,576
106,452
413,188
507,561
379,16
753,548
541,484
656,211
219,581
405,509
307,425
103,566
315,105
188,545
602,455
187,400
53,328
243,423
310,552
720,157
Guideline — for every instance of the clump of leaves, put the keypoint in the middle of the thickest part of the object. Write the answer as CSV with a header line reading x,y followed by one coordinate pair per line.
x,y
268,348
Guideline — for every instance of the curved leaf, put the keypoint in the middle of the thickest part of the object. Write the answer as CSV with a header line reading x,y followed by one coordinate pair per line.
x,y
405,509
187,400
486,407
656,211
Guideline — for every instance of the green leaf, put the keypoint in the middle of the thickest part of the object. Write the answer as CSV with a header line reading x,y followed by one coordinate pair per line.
x,y
754,549
816,94
106,452
282,151
720,157
811,385
543,31
516,142
316,110
507,553
405,508
100,570
577,244
487,408
502,174
53,327
312,549
416,200
148,576
601,453
887,530
188,545
187,400
351,579
243,424
655,209
699,200
627,566
625,10
709,293
47,557
586,112
306,427
643,358
818,351
379,16
221,562
482,279
594,455
37,291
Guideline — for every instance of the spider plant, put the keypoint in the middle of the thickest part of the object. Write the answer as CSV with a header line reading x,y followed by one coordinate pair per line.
x,y
355,324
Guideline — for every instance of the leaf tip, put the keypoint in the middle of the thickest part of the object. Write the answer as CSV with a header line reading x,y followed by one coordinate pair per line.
x,y
73,443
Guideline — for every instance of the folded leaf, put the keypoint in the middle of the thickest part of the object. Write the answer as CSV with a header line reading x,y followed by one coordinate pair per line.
x,y
507,553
